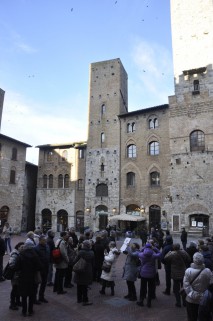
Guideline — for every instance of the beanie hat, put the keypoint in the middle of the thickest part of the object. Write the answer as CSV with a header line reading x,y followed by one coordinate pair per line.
x,y
148,245
192,244
198,258
86,244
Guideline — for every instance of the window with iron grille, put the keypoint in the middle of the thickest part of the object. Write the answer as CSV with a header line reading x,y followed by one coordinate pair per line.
x,y
101,190
197,141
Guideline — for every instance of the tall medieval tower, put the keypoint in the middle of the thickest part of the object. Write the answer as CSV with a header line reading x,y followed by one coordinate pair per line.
x,y
191,115
1,104
107,99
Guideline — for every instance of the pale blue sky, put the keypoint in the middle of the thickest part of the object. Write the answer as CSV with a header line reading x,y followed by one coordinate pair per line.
x,y
46,47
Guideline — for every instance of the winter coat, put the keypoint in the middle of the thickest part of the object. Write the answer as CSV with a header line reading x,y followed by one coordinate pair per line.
x,y
63,249
179,261
207,259
27,264
85,278
98,249
51,244
148,262
167,248
2,247
183,236
130,269
44,255
12,260
196,290
191,250
205,311
111,258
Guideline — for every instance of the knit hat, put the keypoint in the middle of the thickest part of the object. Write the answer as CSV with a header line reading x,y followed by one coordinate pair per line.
x,y
86,244
198,258
148,245
192,244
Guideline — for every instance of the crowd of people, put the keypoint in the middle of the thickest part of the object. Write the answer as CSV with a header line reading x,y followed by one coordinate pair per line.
x,y
35,268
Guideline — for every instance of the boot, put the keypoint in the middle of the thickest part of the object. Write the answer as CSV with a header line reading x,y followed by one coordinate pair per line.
x,y
140,303
102,290
149,303
112,290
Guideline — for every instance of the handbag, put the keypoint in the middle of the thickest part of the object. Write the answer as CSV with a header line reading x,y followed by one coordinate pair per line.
x,y
8,272
80,265
106,267
182,290
56,254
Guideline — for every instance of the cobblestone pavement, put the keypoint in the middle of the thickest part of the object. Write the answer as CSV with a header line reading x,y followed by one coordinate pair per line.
x,y
104,308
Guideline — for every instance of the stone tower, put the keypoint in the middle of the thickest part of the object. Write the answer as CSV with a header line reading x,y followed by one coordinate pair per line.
x,y
107,99
1,104
192,37
191,116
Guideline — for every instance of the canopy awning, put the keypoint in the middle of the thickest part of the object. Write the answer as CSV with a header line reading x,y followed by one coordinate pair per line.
x,y
127,217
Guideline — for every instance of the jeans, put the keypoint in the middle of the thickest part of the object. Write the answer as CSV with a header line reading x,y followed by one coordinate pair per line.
x,y
7,242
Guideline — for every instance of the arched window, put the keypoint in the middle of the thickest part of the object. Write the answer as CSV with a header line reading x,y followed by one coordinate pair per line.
x,y
66,181
13,175
130,127
153,122
14,153
196,85
101,190
197,141
131,151
60,181
154,148
45,181
155,179
130,179
64,156
50,181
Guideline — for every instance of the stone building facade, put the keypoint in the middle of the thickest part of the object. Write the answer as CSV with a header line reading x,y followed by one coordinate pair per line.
x,y
60,186
155,164
12,181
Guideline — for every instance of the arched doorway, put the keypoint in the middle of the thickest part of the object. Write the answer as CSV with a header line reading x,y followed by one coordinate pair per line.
x,y
79,221
133,210
4,213
154,216
46,222
101,211
62,220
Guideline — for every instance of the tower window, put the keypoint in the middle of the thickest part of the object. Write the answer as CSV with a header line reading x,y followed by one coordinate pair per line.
x,y
130,179
154,148
103,109
131,151
13,176
196,85
102,138
50,181
66,181
81,153
14,153
45,181
197,141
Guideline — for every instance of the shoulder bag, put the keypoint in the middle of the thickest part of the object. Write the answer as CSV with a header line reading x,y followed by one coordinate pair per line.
x,y
182,290
80,265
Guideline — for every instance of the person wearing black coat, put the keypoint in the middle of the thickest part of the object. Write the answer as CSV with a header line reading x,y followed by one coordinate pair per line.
x,y
98,249
51,245
84,279
43,252
183,238
28,264
2,252
167,248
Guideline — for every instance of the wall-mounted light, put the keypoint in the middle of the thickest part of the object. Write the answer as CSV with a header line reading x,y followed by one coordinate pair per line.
x,y
142,209
114,210
88,209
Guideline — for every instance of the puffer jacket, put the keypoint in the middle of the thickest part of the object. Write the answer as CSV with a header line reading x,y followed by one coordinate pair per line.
x,y
179,261
131,265
12,261
63,248
148,262
195,291
111,258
